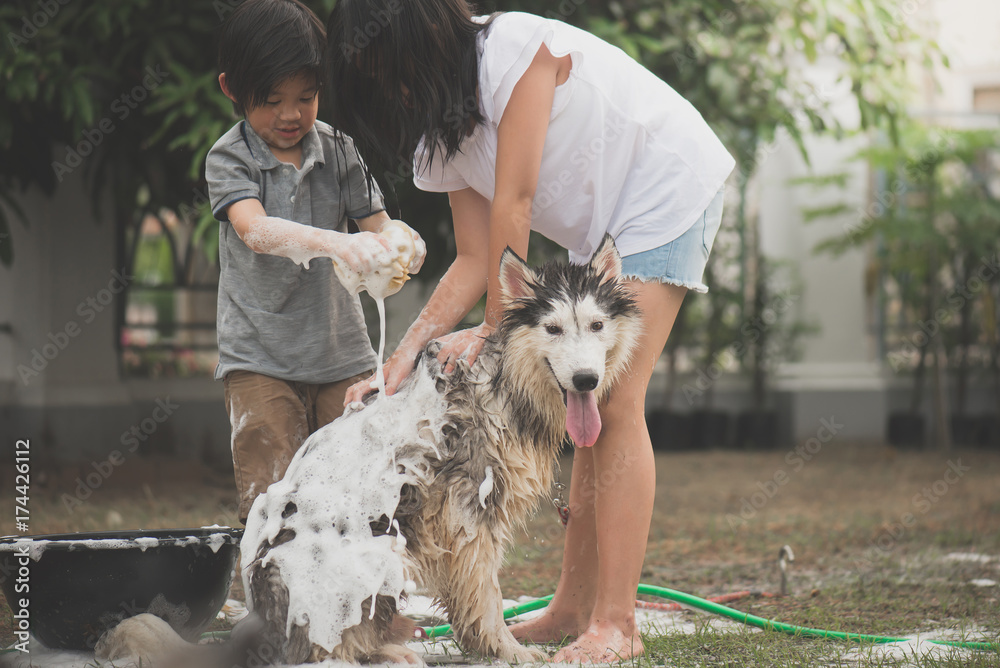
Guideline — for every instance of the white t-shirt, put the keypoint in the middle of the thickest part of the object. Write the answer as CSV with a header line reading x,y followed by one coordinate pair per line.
x,y
624,153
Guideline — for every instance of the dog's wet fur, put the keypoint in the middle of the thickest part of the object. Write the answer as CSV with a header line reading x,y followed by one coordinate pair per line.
x,y
565,328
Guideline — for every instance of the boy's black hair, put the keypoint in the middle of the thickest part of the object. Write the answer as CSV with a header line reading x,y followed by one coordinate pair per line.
x,y
262,43
375,47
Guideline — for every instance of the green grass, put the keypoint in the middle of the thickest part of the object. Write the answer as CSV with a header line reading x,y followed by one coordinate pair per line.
x,y
708,648
830,513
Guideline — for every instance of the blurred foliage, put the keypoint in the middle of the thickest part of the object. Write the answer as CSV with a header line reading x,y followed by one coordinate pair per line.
x,y
935,222
126,90
744,66
71,71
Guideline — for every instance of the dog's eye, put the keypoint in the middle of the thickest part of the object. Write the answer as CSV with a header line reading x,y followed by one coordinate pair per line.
x,y
596,326
553,329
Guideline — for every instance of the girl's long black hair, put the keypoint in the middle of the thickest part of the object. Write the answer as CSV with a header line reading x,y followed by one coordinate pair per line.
x,y
402,70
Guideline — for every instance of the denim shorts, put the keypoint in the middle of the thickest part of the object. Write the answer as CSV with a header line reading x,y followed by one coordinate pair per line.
x,y
681,261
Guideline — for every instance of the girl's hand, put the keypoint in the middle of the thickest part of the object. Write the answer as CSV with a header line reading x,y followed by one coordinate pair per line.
x,y
464,344
396,369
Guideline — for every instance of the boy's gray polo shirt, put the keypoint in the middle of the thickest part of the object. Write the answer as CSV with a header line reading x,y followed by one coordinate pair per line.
x,y
275,317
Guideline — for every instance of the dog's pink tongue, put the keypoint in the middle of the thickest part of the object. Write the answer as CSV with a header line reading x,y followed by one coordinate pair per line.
x,y
583,421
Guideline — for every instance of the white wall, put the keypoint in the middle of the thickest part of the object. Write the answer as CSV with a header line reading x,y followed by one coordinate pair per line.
x,y
62,259
968,31
841,367
59,298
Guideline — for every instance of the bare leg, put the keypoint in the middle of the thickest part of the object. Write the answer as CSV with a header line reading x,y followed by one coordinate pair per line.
x,y
568,614
611,504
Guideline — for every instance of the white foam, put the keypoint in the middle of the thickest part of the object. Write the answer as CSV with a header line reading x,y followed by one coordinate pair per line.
x,y
241,423
37,547
345,476
486,486
144,542
379,372
215,541
972,557
232,611
912,648
386,280
392,267
285,238
277,236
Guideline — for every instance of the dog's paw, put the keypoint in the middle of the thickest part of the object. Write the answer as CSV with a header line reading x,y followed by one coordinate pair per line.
x,y
521,654
398,654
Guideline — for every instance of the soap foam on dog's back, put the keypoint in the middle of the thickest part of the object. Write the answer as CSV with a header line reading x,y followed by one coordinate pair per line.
x,y
338,489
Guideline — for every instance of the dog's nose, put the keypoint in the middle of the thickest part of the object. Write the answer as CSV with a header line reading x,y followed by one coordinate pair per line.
x,y
585,381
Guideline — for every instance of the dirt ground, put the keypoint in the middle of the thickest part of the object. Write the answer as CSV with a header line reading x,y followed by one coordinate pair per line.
x,y
882,538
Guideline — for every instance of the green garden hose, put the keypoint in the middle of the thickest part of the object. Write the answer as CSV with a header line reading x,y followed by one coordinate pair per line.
x,y
743,617
708,606
429,632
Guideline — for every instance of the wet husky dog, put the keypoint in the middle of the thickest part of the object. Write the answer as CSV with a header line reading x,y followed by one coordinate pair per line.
x,y
428,485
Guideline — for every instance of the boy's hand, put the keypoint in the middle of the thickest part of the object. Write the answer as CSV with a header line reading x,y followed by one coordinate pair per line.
x,y
381,262
360,253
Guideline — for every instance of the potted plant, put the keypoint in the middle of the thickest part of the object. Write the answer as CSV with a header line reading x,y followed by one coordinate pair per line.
x,y
972,215
712,357
773,333
669,429
990,434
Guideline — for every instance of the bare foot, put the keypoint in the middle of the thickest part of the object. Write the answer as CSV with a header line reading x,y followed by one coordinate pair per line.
x,y
601,643
547,628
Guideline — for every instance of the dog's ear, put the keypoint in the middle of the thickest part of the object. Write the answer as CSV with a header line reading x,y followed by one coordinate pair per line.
x,y
517,280
606,262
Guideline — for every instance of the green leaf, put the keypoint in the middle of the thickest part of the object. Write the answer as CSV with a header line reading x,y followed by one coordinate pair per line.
x,y
836,179
810,214
84,103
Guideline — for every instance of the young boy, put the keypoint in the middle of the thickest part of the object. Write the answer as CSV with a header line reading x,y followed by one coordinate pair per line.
x,y
283,185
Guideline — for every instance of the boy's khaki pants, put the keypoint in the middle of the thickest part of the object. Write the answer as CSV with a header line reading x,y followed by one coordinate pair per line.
x,y
270,419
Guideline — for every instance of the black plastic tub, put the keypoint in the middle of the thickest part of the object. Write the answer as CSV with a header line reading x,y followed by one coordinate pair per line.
x,y
82,584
